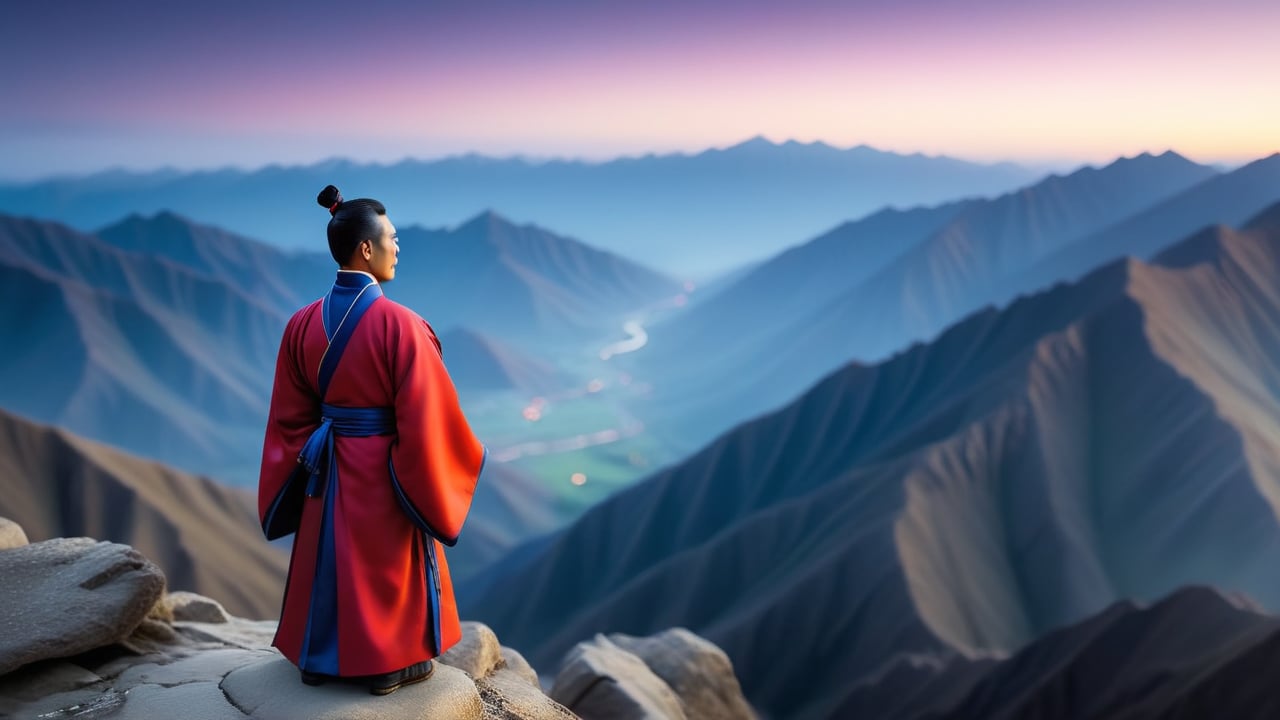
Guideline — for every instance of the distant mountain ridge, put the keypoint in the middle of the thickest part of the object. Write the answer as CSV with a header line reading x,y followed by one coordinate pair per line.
x,y
520,282
680,213
132,349
1019,473
988,253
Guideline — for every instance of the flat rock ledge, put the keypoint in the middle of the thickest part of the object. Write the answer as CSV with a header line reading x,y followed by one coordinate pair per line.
x,y
87,632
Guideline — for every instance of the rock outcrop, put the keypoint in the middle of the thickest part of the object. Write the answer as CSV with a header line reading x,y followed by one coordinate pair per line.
x,y
699,673
86,631
601,680
674,674
71,595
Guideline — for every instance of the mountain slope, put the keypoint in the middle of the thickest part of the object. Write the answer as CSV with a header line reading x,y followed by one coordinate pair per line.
x,y
794,283
521,283
203,535
1195,653
689,213
478,362
285,280
1019,473
135,350
932,280
1230,199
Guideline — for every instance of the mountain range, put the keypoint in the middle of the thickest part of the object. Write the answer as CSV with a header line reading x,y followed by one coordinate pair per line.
x,y
680,213
1106,439
908,275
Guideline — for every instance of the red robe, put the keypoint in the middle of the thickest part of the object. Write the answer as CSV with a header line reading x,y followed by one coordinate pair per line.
x,y
390,612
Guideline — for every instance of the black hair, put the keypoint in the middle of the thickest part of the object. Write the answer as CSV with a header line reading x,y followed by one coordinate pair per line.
x,y
353,222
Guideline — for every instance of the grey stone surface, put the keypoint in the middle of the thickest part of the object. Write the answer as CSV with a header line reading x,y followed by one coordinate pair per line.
x,y
247,634
478,652
11,534
66,596
44,678
192,667
271,690
191,607
699,672
601,680
190,701
507,695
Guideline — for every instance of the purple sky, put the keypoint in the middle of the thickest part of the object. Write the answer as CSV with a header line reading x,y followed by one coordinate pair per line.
x,y
144,84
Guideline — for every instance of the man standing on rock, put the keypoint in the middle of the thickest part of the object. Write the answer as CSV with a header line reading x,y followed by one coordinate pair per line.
x,y
369,459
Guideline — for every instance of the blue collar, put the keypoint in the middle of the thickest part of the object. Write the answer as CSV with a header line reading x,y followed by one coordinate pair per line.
x,y
348,287
354,279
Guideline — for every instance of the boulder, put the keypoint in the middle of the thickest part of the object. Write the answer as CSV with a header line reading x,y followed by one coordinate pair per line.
x,y
601,680
70,595
507,695
190,607
11,534
699,672
478,652
271,690
516,663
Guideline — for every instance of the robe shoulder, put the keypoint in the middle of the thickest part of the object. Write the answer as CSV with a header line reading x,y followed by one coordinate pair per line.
x,y
398,317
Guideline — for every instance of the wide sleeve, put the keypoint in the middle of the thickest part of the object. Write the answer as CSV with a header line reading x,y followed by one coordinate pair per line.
x,y
291,419
436,459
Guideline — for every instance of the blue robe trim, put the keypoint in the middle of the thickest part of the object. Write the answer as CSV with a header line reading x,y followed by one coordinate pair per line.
x,y
353,294
433,594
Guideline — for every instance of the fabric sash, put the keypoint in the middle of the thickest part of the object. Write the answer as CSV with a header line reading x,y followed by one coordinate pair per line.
x,y
317,453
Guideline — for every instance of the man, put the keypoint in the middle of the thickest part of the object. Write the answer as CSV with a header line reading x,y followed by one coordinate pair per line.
x,y
369,459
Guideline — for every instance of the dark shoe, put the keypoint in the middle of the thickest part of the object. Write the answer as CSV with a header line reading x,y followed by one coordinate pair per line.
x,y
388,683
313,679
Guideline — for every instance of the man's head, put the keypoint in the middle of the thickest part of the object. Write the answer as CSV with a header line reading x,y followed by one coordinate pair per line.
x,y
361,236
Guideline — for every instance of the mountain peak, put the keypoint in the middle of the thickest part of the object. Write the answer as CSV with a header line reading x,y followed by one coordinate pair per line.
x,y
755,141
486,220
1148,160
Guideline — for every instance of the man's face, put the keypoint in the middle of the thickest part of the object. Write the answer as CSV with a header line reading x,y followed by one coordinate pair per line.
x,y
383,252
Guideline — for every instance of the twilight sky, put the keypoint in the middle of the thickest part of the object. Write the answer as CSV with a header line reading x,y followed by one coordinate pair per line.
x,y
150,83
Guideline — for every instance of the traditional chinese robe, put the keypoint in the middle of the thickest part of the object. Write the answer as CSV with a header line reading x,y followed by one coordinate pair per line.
x,y
368,589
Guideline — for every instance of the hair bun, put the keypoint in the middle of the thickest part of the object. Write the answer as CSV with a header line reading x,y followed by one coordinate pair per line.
x,y
330,198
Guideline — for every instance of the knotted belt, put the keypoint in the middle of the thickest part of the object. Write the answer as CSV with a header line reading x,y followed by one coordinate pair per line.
x,y
317,454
